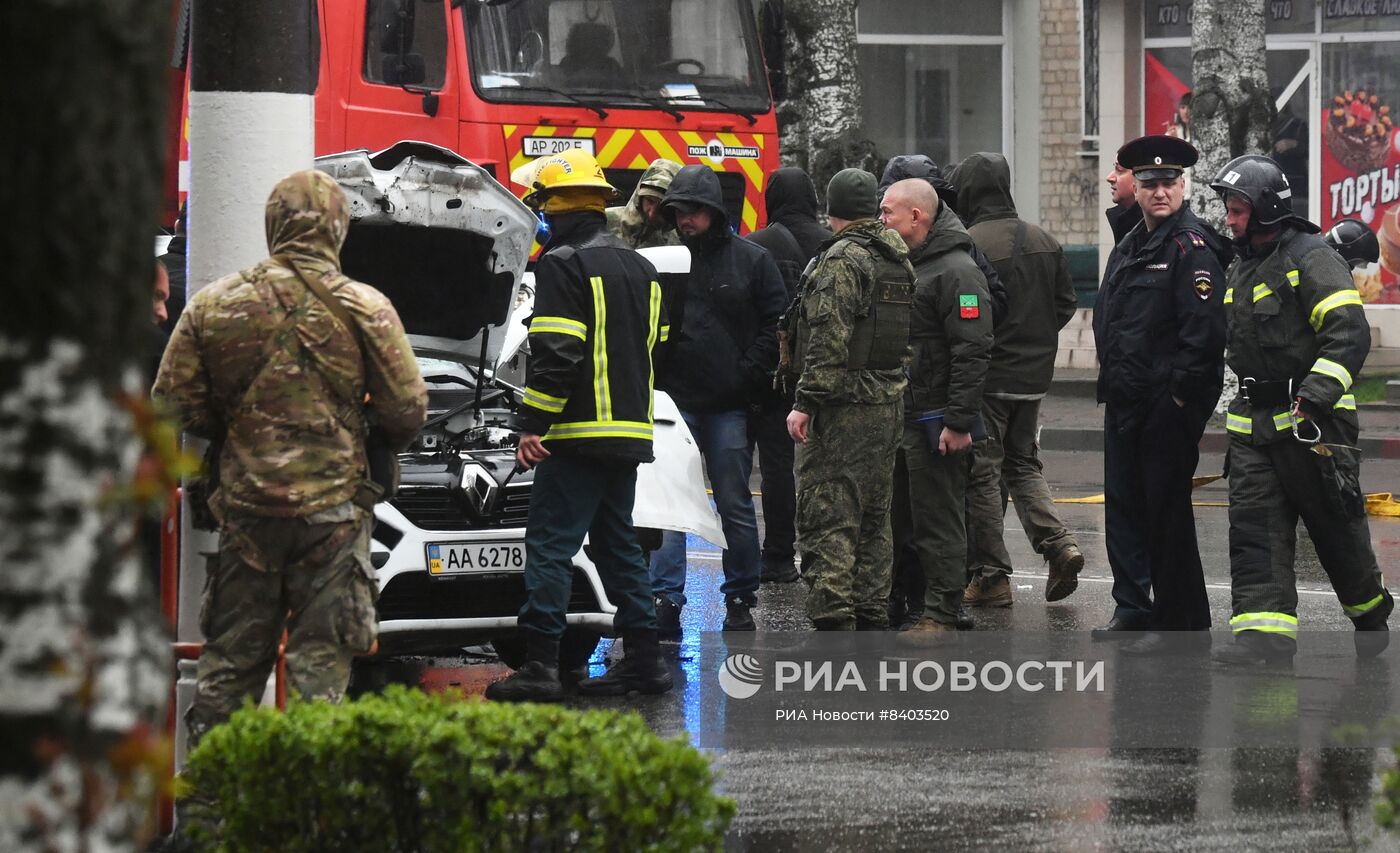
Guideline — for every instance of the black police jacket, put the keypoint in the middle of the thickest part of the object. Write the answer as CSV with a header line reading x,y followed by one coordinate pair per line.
x,y
1159,321
598,314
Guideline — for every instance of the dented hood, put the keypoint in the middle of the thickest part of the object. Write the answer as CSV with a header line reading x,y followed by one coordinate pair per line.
x,y
437,235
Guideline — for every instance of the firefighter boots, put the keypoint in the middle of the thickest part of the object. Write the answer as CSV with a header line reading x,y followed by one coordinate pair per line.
x,y
641,669
538,679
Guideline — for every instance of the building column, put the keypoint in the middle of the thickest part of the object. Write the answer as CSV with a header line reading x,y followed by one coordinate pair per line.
x,y
1120,91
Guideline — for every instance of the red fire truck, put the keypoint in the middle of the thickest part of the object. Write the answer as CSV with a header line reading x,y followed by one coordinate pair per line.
x,y
504,81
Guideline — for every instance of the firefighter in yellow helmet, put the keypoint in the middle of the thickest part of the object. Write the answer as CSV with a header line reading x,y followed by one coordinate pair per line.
x,y
586,425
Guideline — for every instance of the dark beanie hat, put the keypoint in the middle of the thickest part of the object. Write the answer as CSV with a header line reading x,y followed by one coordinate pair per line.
x,y
851,195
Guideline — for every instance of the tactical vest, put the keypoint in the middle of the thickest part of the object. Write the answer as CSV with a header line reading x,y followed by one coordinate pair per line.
x,y
880,336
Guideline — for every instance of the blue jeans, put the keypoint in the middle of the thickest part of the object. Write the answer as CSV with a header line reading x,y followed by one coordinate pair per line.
x,y
723,438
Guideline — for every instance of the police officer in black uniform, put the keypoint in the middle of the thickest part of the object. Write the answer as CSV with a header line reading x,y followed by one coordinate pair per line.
x,y
1298,337
1160,332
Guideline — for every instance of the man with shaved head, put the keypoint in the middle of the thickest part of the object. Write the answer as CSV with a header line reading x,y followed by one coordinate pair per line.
x,y
950,334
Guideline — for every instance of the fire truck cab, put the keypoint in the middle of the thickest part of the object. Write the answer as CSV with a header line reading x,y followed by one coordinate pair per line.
x,y
504,81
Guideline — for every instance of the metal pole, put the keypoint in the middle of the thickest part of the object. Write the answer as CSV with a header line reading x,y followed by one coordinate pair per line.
x,y
253,71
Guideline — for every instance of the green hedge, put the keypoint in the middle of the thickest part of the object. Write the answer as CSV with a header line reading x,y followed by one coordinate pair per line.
x,y
411,772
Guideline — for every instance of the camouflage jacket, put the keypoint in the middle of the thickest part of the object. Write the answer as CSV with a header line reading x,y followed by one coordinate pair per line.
x,y
629,224
833,295
258,360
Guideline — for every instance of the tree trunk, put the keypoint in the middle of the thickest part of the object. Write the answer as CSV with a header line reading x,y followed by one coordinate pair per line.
x,y
820,123
1231,108
83,656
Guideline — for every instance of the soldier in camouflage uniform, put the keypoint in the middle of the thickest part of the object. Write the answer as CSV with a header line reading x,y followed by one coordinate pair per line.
x,y
851,324
260,363
639,222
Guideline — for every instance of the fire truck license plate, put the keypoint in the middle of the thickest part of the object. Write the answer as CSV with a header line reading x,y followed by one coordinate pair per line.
x,y
465,558
541,146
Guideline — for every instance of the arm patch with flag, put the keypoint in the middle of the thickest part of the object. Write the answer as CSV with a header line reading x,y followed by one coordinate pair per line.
x,y
968,308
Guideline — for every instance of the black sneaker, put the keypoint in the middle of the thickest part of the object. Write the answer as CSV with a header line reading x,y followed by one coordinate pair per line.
x,y
964,621
779,571
668,618
737,616
1256,648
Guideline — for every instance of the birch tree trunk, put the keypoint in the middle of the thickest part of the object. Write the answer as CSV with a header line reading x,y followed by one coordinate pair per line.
x,y
820,123
1231,108
83,668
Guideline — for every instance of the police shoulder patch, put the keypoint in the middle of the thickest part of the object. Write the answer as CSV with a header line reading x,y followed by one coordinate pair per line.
x,y
1204,284
1196,239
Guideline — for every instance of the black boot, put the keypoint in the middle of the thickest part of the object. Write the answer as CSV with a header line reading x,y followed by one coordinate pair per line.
x,y
641,669
1372,633
737,616
538,679
668,618
1256,648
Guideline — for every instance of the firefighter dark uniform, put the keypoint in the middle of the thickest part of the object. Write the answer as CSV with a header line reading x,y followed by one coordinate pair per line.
x,y
1297,335
588,393
1160,333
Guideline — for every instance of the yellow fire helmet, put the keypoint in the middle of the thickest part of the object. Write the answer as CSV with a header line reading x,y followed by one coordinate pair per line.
x,y
570,169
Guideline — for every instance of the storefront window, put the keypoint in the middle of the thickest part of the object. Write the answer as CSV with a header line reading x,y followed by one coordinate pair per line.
x,y
931,17
1361,152
943,101
1360,16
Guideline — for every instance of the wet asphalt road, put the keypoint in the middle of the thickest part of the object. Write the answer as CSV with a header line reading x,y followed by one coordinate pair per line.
x,y
918,798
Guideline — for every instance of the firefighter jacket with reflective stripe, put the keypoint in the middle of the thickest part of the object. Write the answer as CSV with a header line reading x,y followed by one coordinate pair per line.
x,y
1294,314
598,315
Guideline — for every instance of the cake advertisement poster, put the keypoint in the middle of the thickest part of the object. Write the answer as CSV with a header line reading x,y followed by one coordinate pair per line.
x,y
1361,180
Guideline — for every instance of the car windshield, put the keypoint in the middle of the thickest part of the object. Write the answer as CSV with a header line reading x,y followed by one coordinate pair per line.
x,y
692,54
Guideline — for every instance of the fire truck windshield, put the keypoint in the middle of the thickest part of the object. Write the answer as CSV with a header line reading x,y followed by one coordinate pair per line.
x,y
672,54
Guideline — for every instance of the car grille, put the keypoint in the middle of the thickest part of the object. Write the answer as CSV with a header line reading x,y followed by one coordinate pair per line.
x,y
417,595
437,509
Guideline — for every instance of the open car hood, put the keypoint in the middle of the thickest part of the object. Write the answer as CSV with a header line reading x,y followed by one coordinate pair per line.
x,y
437,235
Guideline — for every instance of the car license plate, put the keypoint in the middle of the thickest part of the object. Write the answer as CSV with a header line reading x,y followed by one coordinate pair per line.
x,y
541,146
465,558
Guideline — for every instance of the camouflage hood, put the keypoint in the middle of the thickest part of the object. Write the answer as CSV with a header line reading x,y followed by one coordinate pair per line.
x,y
306,220
884,240
630,223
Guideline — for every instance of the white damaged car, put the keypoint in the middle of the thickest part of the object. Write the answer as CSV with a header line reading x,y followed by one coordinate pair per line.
x,y
448,245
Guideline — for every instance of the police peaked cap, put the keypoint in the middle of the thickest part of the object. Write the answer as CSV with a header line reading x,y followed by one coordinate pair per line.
x,y
1152,158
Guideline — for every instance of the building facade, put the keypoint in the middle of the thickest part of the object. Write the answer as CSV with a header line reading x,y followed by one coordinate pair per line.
x,y
1059,85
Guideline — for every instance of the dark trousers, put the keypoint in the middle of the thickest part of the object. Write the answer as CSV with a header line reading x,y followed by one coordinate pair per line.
x,y
934,528
574,496
768,430
1150,454
1271,487
907,586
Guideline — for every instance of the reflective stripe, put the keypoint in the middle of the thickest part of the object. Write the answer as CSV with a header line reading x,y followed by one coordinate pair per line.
x,y
1336,300
654,328
559,325
1229,295
1269,623
1239,424
1262,290
542,401
1328,367
602,395
1346,402
665,333
1283,420
599,429
1292,277
1359,609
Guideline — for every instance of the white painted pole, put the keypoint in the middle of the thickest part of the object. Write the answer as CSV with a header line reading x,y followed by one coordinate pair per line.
x,y
253,72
